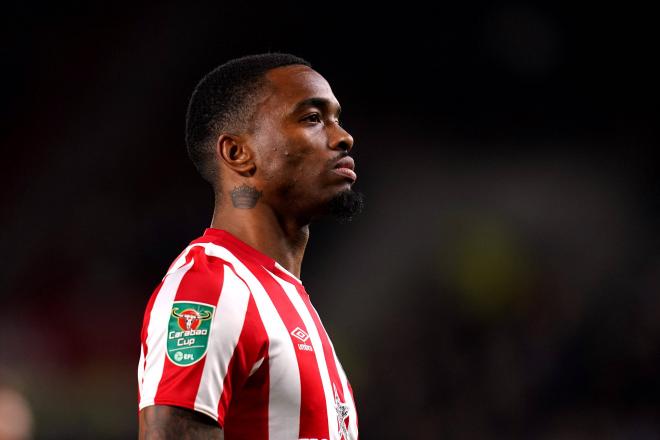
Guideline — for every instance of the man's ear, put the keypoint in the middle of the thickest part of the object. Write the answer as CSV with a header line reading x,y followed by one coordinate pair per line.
x,y
234,153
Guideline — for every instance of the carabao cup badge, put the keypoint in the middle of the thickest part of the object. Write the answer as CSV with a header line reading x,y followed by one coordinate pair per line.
x,y
188,332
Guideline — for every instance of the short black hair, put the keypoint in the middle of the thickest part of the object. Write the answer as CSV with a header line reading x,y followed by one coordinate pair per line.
x,y
223,100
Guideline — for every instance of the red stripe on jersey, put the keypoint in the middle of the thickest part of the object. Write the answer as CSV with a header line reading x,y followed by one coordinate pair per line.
x,y
202,283
325,339
247,416
313,411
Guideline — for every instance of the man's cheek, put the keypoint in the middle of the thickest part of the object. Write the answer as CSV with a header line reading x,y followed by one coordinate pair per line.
x,y
295,160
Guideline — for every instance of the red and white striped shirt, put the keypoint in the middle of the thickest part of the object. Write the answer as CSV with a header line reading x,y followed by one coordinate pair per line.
x,y
232,334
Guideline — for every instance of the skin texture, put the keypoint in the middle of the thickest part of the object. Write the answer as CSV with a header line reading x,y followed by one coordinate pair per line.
x,y
274,179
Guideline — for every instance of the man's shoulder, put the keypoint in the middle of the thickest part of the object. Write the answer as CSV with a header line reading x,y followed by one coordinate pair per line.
x,y
199,273
202,255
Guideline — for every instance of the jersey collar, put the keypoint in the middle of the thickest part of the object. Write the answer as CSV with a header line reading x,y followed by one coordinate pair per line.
x,y
225,238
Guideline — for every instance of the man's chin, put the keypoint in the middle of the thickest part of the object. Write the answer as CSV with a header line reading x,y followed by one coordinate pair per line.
x,y
345,205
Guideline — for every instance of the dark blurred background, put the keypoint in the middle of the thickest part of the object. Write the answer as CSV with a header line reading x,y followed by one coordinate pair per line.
x,y
503,282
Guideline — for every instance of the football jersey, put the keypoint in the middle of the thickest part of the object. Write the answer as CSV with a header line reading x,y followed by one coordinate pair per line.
x,y
232,334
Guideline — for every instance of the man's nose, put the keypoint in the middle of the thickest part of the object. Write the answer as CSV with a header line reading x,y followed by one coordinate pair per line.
x,y
342,140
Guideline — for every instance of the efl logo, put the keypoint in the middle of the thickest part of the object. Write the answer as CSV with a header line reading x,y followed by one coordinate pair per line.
x,y
300,334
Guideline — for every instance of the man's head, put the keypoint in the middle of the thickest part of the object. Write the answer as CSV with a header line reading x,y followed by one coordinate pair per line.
x,y
265,129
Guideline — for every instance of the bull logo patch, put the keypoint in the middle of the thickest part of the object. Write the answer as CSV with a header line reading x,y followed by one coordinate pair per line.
x,y
188,332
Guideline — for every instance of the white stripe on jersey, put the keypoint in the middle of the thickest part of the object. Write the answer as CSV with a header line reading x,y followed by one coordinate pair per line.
x,y
156,334
283,420
141,370
315,339
227,321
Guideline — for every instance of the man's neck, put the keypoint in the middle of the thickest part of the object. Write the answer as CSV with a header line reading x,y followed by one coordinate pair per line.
x,y
284,240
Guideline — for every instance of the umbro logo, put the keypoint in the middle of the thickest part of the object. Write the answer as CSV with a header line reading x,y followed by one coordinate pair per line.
x,y
300,334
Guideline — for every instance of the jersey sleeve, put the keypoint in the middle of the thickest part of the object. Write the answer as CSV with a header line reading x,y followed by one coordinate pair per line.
x,y
201,337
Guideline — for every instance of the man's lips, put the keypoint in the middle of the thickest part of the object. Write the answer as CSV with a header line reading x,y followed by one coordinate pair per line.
x,y
345,167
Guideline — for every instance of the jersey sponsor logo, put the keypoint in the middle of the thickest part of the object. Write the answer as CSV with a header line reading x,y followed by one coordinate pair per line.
x,y
301,335
188,332
305,347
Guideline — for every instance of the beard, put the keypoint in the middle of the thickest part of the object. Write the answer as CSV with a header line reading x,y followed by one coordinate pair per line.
x,y
346,205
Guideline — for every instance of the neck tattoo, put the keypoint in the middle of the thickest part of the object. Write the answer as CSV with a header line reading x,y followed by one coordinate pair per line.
x,y
245,197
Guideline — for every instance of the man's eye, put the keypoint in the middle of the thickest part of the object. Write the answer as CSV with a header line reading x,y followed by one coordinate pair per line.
x,y
315,117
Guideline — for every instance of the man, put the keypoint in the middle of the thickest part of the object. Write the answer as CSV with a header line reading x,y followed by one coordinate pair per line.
x,y
231,345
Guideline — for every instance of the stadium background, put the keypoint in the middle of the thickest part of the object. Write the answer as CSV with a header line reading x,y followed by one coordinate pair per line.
x,y
502,283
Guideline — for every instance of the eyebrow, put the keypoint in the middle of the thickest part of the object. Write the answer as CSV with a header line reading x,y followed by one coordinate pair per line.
x,y
315,102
